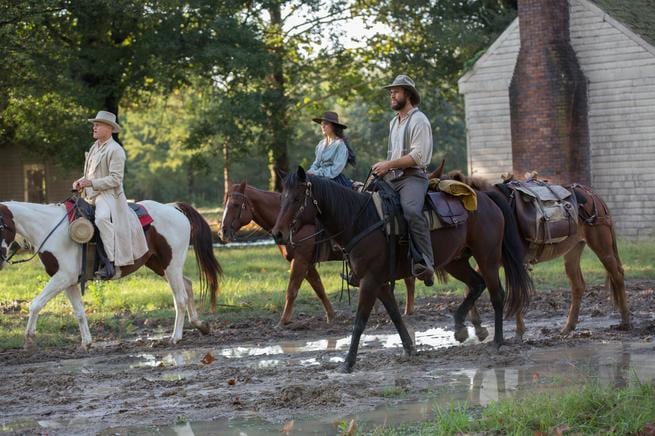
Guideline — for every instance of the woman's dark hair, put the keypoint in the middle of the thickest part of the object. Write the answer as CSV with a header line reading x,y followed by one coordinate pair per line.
x,y
338,131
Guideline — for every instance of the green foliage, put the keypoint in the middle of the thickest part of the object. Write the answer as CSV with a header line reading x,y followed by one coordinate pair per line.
x,y
62,61
207,86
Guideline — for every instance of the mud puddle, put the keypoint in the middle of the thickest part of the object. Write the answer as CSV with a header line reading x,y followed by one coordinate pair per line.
x,y
261,381
556,370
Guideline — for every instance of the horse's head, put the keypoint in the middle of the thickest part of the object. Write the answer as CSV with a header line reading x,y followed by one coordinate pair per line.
x,y
7,233
237,212
298,206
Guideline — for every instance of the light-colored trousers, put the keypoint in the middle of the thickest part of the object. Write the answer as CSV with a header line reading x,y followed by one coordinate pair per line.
x,y
105,226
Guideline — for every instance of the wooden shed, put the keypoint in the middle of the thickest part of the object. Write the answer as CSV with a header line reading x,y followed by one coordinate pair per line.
x,y
614,42
36,180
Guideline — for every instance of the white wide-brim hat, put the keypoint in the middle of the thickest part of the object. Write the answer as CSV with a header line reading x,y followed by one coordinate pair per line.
x,y
107,118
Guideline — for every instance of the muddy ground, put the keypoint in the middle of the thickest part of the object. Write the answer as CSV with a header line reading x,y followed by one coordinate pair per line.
x,y
251,371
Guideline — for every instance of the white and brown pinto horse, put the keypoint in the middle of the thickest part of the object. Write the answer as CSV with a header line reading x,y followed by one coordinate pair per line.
x,y
174,227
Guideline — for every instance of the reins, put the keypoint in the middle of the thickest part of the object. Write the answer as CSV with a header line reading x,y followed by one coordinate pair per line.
x,y
356,239
36,252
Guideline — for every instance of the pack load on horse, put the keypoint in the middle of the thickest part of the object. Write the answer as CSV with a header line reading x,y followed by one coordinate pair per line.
x,y
244,203
560,221
173,227
351,219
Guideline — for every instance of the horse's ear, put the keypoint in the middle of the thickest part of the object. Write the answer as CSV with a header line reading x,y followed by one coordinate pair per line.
x,y
242,187
301,174
436,174
281,173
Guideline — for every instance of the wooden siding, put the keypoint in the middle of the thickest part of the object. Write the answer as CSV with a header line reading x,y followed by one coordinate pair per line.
x,y
620,67
12,177
486,100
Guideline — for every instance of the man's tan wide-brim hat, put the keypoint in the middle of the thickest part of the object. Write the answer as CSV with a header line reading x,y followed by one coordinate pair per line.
x,y
405,82
107,118
81,230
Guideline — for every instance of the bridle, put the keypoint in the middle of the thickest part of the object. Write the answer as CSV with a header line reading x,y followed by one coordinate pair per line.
x,y
6,257
309,195
245,205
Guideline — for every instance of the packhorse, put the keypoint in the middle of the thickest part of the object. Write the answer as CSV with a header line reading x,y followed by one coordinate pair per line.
x,y
595,228
174,226
350,216
244,203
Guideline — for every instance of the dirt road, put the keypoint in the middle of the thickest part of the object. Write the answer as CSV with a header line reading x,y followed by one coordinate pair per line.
x,y
248,374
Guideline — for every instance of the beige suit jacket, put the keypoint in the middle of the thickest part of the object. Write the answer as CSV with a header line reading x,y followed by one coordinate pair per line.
x,y
104,166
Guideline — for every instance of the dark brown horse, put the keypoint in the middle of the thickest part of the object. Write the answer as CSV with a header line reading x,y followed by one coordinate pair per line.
x,y
594,229
244,203
351,216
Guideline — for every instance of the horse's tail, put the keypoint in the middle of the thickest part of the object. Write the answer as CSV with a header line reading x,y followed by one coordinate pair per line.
x,y
201,239
517,279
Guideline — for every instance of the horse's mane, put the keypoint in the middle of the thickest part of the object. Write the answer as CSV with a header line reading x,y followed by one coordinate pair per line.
x,y
344,202
477,183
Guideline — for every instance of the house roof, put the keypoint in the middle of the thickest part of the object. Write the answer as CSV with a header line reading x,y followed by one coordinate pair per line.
x,y
637,15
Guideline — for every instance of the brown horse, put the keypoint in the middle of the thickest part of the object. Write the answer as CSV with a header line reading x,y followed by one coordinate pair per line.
x,y
350,218
244,203
594,229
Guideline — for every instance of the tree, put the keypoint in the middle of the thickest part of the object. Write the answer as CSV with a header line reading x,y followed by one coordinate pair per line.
x,y
435,42
97,52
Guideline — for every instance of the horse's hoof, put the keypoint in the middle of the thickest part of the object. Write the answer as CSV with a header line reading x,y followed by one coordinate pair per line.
x,y
83,348
204,328
461,334
518,337
29,346
566,330
329,318
624,326
410,352
345,368
482,333
281,326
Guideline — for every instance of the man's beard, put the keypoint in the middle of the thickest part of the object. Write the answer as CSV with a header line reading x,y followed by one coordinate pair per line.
x,y
399,104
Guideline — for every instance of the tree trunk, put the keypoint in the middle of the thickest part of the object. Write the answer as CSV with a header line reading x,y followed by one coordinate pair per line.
x,y
278,159
226,169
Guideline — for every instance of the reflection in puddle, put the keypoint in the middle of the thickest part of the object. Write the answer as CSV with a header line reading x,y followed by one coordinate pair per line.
x,y
434,338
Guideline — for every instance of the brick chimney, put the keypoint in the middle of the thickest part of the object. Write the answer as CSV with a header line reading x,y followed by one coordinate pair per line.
x,y
548,97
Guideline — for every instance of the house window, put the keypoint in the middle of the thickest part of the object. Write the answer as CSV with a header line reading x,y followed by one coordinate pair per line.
x,y
35,183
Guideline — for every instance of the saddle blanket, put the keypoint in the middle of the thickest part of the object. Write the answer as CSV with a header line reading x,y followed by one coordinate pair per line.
x,y
144,217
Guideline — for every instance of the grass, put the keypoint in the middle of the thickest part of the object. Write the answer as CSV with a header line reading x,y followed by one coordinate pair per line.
x,y
590,410
254,285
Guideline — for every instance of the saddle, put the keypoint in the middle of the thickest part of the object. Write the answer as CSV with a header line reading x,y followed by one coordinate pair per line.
x,y
440,209
546,213
93,252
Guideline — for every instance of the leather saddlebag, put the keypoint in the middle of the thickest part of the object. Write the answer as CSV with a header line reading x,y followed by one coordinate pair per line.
x,y
546,213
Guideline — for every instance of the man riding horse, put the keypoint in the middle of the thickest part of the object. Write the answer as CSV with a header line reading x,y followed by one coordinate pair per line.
x,y
409,153
102,185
